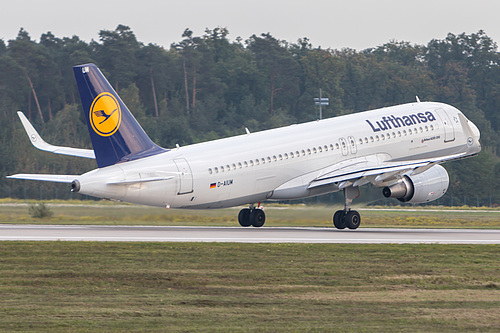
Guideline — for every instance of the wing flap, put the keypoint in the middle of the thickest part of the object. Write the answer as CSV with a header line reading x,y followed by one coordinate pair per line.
x,y
39,143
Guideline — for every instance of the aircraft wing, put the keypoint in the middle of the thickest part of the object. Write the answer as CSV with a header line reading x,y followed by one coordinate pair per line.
x,y
371,169
45,177
39,143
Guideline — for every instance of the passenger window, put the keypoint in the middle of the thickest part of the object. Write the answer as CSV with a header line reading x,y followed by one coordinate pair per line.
x,y
280,157
239,165
210,170
234,166
216,170
257,162
245,164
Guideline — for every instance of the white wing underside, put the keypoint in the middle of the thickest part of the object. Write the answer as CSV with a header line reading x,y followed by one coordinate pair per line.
x,y
39,143
370,169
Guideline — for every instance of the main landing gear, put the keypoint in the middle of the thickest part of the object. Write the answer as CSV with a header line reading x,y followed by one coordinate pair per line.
x,y
347,217
253,216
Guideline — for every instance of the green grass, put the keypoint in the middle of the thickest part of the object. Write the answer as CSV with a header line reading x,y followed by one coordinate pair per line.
x,y
87,286
106,212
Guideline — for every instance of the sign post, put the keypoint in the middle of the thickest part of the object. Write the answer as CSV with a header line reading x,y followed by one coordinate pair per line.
x,y
321,101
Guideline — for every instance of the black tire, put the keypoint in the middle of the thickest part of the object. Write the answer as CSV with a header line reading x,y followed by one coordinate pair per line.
x,y
257,217
244,217
352,219
339,220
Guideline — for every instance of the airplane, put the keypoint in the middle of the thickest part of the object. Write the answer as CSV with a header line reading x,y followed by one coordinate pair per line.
x,y
398,149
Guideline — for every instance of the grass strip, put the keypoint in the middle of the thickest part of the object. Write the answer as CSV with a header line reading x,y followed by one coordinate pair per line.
x,y
279,215
96,286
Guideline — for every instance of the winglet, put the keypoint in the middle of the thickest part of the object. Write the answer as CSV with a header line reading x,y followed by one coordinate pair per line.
x,y
39,143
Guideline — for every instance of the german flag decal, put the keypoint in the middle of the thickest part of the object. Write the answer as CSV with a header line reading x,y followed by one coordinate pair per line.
x,y
213,185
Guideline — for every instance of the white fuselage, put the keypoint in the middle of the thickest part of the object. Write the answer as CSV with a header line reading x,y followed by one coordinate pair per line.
x,y
278,163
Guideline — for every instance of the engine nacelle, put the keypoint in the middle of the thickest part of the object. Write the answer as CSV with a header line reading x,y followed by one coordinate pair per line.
x,y
427,186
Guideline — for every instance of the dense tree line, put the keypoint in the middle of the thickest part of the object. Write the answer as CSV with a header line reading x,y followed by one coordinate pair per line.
x,y
207,87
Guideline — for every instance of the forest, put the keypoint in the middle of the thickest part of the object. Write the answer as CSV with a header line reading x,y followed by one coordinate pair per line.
x,y
208,87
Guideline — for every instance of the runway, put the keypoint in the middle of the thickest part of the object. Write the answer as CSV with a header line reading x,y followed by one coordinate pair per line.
x,y
11,232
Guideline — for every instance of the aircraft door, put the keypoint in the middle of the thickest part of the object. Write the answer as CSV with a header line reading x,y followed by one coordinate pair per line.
x,y
352,144
185,176
449,131
343,146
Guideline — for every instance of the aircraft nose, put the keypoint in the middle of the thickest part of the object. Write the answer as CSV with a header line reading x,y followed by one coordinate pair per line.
x,y
475,130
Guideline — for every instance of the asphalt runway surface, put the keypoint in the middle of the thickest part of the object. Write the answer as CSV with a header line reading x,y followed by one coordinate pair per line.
x,y
12,232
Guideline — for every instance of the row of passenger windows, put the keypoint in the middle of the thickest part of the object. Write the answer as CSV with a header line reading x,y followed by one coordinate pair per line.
x,y
275,158
320,149
398,134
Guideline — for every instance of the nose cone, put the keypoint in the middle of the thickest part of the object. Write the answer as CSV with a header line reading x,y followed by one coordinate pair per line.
x,y
474,146
474,130
472,135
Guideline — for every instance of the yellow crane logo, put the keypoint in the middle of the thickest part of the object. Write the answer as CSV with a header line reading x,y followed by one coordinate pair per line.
x,y
105,114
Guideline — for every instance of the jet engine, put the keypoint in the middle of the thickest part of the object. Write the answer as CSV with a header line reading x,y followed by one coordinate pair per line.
x,y
424,187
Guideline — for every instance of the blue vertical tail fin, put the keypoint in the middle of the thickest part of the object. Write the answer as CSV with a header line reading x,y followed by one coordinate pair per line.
x,y
115,133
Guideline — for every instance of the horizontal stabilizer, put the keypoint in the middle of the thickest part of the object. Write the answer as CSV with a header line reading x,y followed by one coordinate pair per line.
x,y
45,178
39,143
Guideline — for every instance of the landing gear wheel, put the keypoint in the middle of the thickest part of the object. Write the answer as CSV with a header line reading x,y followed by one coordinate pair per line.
x,y
257,217
244,217
339,219
352,219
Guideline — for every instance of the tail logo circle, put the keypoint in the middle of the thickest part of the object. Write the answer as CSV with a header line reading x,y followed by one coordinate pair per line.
x,y
105,114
